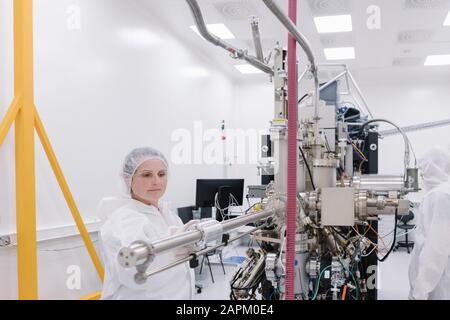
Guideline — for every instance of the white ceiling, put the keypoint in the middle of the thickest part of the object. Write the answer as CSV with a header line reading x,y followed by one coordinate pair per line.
x,y
410,31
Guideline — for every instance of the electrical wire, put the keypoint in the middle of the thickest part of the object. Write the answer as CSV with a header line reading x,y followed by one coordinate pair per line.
x,y
303,98
378,236
368,254
318,282
393,242
307,167
408,144
360,153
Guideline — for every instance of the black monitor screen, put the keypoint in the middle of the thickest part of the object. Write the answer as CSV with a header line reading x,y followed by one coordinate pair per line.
x,y
207,189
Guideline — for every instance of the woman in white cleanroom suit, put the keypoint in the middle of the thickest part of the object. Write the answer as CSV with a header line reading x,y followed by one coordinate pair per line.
x,y
143,217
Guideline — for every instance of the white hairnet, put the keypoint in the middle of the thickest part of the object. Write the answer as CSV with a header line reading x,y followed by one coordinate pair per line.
x,y
435,167
137,157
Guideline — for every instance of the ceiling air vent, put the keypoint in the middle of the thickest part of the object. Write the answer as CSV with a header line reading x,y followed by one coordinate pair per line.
x,y
426,4
329,7
236,10
415,36
407,62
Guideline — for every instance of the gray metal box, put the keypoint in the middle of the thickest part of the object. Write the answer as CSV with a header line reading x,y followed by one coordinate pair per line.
x,y
257,191
338,207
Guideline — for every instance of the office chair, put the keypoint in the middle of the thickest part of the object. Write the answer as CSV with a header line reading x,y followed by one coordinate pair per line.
x,y
403,224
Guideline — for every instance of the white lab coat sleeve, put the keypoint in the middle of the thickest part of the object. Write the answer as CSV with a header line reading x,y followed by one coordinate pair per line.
x,y
121,230
433,258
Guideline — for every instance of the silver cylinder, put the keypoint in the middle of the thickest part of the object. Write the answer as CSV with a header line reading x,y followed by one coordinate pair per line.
x,y
140,252
281,163
301,176
229,225
324,173
176,241
379,182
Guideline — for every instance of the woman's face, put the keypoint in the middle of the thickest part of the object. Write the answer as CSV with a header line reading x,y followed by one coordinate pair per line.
x,y
149,182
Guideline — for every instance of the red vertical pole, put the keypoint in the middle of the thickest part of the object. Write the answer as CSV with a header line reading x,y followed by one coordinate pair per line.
x,y
292,157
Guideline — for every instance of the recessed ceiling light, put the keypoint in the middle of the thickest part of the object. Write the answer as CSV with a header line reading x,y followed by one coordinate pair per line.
x,y
218,29
247,69
346,53
438,60
331,24
447,20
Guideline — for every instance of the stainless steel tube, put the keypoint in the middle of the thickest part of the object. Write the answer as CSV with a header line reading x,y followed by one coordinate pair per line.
x,y
202,252
229,225
358,90
257,39
300,38
306,46
238,53
139,252
176,241
329,83
379,182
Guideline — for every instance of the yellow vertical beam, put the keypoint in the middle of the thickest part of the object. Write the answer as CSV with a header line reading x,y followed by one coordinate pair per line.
x,y
67,194
25,165
9,118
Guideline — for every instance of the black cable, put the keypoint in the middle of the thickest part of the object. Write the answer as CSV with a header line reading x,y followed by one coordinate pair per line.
x,y
393,242
307,167
246,211
302,98
339,233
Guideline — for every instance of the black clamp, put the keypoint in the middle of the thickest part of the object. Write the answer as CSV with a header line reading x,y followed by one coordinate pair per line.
x,y
193,263
225,239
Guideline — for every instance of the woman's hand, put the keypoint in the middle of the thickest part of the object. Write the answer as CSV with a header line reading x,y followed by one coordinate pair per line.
x,y
184,251
173,230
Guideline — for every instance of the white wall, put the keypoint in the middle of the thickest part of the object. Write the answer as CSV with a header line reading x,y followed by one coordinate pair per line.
x,y
119,82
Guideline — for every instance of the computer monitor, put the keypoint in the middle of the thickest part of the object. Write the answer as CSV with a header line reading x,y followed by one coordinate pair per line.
x,y
207,189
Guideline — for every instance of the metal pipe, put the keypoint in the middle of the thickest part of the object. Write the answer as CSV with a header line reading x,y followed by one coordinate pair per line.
x,y
236,52
306,46
332,65
300,38
257,39
358,90
139,252
302,76
326,85
200,253
228,225
329,83
379,182
349,77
